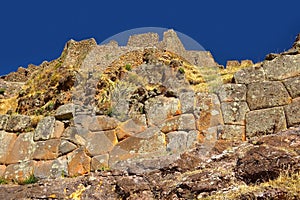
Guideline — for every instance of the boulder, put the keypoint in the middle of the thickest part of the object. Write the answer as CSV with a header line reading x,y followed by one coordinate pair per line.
x,y
158,109
249,75
19,172
293,86
46,150
100,162
45,129
6,145
282,67
266,121
292,112
98,143
79,162
18,123
232,92
65,112
267,95
23,149
234,112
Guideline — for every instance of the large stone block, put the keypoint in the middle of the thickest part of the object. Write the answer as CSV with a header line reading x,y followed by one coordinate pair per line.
x,y
129,128
22,150
19,172
66,147
79,162
46,150
266,121
18,123
100,162
234,112
187,100
103,123
185,122
98,143
2,170
6,144
233,132
282,67
160,108
292,112
51,169
267,95
293,86
180,141
45,129
232,92
249,75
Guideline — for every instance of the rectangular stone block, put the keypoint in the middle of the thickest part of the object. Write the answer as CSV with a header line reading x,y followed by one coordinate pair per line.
x,y
100,162
2,170
18,123
46,150
19,172
267,95
266,121
234,112
292,112
6,145
293,86
249,75
232,92
3,121
233,132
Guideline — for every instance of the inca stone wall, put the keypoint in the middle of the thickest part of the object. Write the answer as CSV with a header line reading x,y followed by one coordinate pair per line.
x,y
263,99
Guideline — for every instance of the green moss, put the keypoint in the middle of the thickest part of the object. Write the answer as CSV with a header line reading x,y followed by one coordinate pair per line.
x,y
3,181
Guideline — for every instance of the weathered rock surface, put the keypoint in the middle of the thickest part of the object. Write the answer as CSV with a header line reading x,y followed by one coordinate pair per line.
x,y
18,123
249,75
292,112
232,92
65,112
6,145
45,129
234,112
293,86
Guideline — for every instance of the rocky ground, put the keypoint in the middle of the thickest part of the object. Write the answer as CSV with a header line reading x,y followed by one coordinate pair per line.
x,y
262,168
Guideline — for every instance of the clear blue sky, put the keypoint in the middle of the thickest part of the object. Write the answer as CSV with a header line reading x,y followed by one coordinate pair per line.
x,y
33,31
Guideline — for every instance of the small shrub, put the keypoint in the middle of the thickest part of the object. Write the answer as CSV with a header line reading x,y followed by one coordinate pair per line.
x,y
3,181
30,180
181,70
128,67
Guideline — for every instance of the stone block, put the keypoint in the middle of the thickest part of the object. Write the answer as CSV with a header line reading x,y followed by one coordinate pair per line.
x,y
46,150
19,172
6,145
51,168
79,162
180,141
59,128
184,122
292,112
232,92
266,121
233,132
22,150
103,123
100,162
267,95
160,108
234,112
249,75
66,147
65,112
98,143
187,100
293,86
3,121
18,123
45,129
2,170
282,67
129,128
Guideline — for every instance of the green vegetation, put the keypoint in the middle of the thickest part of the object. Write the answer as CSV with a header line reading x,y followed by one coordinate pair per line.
x,y
181,70
128,67
30,180
3,181
2,90
104,168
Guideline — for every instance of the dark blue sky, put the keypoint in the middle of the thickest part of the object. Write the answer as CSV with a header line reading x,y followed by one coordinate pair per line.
x,y
33,31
